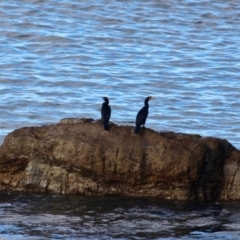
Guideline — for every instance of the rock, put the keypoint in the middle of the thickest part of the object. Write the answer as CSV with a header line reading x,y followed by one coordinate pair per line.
x,y
76,156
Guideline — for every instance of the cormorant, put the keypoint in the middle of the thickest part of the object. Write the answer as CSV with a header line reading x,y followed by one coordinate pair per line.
x,y
142,115
105,113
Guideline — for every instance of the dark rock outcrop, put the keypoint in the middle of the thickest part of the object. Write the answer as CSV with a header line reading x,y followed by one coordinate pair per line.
x,y
77,156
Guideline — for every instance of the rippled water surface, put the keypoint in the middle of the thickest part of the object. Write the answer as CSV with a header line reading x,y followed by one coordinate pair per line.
x,y
74,217
58,58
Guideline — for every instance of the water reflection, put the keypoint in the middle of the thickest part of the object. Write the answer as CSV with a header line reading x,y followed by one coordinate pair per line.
x,y
80,217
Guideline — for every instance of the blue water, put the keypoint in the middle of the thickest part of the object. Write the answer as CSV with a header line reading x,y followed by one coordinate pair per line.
x,y
58,58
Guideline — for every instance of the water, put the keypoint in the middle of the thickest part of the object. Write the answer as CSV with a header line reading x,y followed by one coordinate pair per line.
x,y
58,58
74,217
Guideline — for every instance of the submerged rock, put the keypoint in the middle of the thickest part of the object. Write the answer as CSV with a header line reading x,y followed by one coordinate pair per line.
x,y
76,156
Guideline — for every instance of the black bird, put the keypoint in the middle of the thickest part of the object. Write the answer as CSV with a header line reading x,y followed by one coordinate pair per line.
x,y
142,115
105,113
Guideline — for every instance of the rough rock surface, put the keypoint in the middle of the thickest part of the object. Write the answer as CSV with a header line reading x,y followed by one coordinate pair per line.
x,y
76,156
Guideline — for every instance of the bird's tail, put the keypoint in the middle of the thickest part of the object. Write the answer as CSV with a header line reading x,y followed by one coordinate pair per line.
x,y
137,129
105,124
